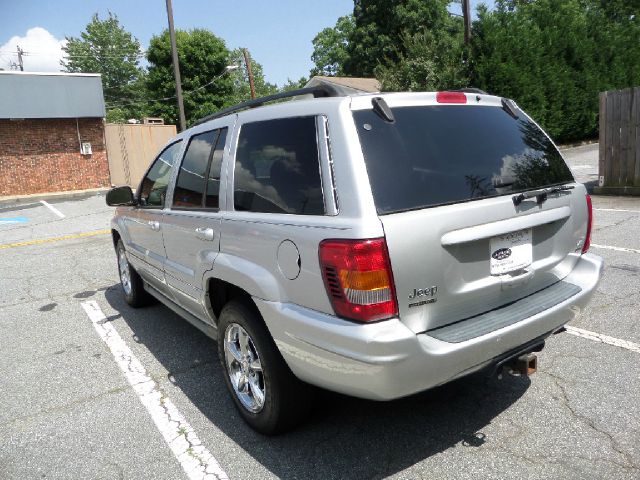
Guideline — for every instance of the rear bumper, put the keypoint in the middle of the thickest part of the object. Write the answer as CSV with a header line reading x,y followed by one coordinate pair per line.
x,y
386,360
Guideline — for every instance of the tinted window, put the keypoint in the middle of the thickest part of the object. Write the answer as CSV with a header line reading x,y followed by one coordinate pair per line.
x,y
154,186
191,181
213,183
277,168
434,155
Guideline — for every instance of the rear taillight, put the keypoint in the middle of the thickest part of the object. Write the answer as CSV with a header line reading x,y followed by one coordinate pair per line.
x,y
587,241
451,97
358,279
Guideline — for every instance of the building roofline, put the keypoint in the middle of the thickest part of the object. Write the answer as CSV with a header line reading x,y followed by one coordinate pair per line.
x,y
56,74
361,84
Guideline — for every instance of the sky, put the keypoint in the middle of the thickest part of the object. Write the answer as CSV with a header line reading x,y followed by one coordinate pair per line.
x,y
278,33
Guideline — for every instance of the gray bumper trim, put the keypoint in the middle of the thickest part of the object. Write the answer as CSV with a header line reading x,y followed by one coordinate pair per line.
x,y
507,315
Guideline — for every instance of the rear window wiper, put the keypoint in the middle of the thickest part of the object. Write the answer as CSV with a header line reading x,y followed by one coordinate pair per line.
x,y
541,194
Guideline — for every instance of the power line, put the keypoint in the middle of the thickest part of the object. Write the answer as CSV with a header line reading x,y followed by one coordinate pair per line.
x,y
80,55
134,102
191,92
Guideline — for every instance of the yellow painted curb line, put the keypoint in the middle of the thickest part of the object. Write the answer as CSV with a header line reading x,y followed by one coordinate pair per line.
x,y
55,239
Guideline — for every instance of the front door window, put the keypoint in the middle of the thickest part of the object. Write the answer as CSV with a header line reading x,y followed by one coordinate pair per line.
x,y
153,189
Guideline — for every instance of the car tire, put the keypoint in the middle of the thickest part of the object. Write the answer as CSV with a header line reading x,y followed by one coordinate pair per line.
x,y
270,399
130,281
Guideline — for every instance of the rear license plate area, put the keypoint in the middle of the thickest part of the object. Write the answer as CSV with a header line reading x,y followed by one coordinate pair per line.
x,y
510,252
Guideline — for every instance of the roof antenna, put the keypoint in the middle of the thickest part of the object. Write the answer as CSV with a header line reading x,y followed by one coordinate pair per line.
x,y
381,109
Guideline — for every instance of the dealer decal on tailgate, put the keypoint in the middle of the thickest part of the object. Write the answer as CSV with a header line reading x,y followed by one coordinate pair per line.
x,y
510,252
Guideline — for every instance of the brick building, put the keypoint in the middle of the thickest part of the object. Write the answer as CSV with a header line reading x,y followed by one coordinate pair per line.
x,y
51,133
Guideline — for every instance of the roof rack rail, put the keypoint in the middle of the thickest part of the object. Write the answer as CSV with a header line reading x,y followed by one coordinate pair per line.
x,y
317,92
470,90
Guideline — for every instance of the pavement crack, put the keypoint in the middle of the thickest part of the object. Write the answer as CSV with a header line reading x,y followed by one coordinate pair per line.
x,y
614,224
66,406
629,462
178,429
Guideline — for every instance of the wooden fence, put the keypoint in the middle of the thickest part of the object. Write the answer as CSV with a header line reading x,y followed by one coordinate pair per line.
x,y
131,148
619,165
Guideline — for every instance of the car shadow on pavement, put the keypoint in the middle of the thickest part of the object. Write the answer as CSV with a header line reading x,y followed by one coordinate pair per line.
x,y
344,437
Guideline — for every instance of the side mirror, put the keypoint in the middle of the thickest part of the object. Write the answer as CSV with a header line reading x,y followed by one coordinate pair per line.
x,y
120,196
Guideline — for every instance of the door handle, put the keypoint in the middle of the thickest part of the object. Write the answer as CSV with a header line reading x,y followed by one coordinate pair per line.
x,y
155,226
205,233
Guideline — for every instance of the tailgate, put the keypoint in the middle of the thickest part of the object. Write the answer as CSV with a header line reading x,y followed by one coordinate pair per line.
x,y
442,268
443,179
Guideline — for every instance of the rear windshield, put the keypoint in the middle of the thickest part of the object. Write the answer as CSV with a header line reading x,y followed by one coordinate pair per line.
x,y
437,155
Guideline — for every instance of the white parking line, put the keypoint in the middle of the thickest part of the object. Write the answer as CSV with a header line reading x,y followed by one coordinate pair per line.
x,y
615,210
194,457
53,209
618,249
598,337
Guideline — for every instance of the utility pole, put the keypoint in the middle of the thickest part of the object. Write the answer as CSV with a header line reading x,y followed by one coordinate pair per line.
x,y
247,62
466,13
20,53
176,67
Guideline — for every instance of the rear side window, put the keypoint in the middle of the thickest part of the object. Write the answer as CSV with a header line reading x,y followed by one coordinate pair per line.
x,y
437,155
200,171
277,168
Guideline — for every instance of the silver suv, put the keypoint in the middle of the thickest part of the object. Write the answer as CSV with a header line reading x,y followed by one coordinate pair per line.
x,y
374,245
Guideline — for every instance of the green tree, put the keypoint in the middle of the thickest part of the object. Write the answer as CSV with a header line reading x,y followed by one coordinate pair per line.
x,y
293,84
206,86
554,57
425,62
406,44
383,29
330,48
105,47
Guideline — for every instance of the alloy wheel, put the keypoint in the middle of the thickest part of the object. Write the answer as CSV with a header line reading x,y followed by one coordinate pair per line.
x,y
244,368
125,272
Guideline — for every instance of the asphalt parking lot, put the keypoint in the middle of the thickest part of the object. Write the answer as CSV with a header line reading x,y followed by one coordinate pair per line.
x,y
68,408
